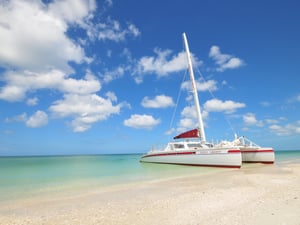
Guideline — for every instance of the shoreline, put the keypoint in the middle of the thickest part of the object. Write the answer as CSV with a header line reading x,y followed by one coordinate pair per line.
x,y
255,194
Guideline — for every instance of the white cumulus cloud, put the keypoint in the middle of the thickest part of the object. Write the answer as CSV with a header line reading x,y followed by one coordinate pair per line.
x,y
38,119
35,49
112,30
72,11
228,106
32,101
162,64
33,38
250,119
210,85
285,130
141,121
188,119
85,109
19,83
114,74
39,53
224,61
159,101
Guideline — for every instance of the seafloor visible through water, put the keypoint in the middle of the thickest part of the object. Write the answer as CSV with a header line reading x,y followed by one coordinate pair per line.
x,y
22,177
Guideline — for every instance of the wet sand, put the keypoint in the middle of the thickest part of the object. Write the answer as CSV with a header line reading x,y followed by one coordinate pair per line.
x,y
255,194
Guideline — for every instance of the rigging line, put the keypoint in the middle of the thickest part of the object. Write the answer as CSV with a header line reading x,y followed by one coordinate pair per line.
x,y
211,93
177,101
179,92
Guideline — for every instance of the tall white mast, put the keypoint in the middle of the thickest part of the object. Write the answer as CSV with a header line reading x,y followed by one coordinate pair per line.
x,y
197,105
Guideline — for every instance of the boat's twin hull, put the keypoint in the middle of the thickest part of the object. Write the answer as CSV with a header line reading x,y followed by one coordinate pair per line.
x,y
219,158
258,155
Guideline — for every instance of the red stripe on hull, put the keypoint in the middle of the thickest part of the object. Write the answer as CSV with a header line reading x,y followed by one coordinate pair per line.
x,y
234,151
187,164
191,153
173,153
257,151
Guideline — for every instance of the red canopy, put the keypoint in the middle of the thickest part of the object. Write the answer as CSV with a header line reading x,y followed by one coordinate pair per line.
x,y
188,134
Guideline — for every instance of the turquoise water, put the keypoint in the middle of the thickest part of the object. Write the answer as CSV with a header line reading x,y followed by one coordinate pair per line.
x,y
285,156
30,176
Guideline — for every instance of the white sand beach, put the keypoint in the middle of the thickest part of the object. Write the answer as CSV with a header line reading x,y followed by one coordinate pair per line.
x,y
255,194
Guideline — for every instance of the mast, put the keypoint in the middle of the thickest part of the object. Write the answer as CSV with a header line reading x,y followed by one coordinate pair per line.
x,y
196,99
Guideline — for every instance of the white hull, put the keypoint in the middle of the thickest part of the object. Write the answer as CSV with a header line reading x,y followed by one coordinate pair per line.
x,y
230,158
258,155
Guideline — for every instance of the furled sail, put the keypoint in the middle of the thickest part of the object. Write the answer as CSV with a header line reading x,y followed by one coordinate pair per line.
x,y
188,134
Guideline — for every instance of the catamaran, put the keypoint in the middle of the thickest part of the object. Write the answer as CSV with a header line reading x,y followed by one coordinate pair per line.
x,y
191,147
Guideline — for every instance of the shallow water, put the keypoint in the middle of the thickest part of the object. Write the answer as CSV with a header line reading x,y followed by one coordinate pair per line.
x,y
22,177
27,176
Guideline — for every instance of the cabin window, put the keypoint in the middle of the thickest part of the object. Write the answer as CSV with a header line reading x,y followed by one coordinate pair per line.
x,y
178,145
209,145
195,145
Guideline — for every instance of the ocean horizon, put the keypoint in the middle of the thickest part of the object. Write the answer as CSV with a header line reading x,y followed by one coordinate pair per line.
x,y
32,176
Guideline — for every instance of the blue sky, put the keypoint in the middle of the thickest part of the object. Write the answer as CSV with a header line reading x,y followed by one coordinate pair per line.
x,y
93,77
